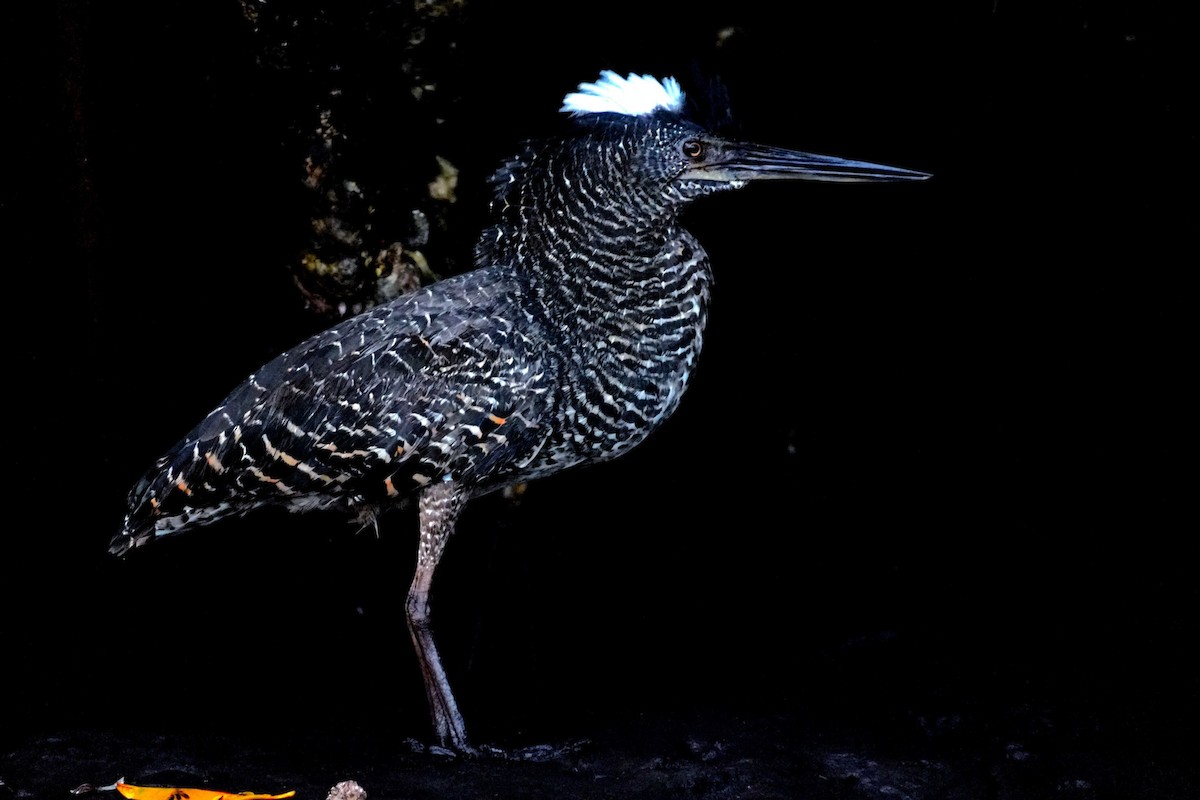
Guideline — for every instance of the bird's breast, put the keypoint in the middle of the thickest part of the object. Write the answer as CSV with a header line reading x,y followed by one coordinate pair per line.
x,y
629,364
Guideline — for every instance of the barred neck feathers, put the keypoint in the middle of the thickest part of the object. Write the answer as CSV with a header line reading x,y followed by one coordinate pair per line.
x,y
596,209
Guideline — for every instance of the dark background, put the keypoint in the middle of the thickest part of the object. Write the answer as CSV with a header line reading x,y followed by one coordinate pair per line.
x,y
939,444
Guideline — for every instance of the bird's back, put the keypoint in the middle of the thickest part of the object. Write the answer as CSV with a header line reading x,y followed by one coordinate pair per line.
x,y
449,383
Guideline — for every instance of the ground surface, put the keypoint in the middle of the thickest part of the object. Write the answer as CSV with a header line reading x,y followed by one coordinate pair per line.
x,y
1031,753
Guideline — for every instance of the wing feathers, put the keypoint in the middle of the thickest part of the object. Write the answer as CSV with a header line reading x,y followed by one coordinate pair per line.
x,y
436,385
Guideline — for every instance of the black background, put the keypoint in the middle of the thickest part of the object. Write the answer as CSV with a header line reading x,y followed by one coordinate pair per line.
x,y
939,442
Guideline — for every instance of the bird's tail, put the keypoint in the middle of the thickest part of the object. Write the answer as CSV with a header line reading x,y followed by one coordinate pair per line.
x,y
139,526
128,539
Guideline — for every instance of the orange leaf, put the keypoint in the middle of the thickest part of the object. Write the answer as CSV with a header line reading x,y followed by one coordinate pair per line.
x,y
175,793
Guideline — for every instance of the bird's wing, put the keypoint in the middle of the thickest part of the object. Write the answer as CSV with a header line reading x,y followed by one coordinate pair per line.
x,y
443,384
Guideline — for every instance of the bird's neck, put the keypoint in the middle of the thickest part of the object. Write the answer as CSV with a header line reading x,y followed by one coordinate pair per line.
x,y
585,253
584,266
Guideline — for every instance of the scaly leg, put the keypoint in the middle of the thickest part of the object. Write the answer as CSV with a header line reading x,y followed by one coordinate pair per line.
x,y
439,509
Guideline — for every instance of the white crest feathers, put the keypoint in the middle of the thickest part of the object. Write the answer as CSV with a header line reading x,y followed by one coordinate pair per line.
x,y
634,95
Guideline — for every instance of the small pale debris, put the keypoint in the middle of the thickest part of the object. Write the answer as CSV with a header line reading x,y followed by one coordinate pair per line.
x,y
1015,752
87,788
705,751
444,185
347,790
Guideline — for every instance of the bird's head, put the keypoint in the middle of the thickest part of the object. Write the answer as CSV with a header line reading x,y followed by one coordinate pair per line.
x,y
636,126
631,162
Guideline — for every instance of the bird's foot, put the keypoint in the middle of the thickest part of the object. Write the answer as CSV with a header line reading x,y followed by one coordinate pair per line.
x,y
536,752
461,750
532,753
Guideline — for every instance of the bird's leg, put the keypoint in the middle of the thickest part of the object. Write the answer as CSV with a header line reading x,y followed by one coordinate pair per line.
x,y
439,509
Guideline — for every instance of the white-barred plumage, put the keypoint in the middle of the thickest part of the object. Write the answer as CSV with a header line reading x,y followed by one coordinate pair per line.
x,y
571,341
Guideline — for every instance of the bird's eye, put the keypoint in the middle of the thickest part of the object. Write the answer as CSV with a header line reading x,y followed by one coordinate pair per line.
x,y
692,149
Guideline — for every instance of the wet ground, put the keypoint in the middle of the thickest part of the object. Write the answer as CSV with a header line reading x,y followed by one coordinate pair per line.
x,y
1021,753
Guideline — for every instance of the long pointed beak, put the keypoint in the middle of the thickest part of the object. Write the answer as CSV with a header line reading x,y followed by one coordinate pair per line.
x,y
734,162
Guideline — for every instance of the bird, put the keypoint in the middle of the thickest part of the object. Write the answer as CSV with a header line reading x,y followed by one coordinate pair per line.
x,y
570,340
